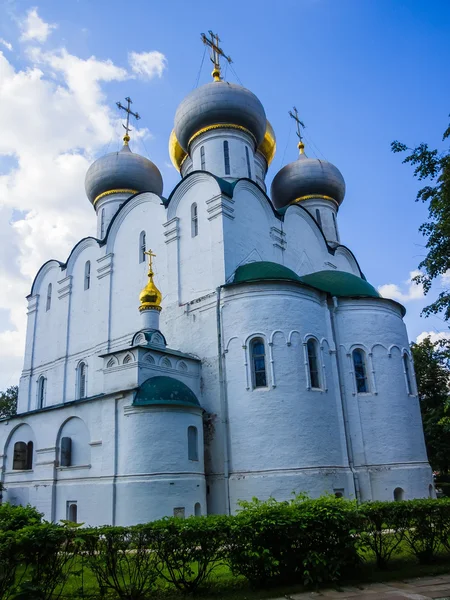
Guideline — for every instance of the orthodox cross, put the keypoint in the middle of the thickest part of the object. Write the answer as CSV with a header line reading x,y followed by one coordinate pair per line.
x,y
294,115
129,112
216,52
150,255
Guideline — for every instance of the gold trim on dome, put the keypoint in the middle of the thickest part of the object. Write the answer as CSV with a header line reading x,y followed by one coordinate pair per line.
x,y
313,196
150,298
268,146
109,192
221,126
176,152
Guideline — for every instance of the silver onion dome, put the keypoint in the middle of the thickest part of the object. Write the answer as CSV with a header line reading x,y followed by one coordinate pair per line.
x,y
122,171
219,103
306,178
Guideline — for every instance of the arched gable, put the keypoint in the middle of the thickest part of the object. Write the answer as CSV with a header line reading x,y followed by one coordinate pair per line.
x,y
77,250
42,273
191,180
251,187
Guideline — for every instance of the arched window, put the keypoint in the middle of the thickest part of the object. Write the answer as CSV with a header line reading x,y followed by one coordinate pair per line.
x,y
318,218
49,297
82,373
407,373
41,389
194,220
226,157
247,156
313,363
198,509
398,494
66,452
202,158
72,512
29,455
192,443
20,456
87,275
142,247
258,358
102,223
359,365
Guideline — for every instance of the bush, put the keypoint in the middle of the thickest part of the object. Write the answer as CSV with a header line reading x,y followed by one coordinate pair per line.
x,y
428,527
122,560
13,518
188,550
308,541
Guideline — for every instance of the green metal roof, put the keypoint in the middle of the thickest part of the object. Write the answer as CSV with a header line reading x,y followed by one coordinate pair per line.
x,y
336,283
255,271
165,391
340,283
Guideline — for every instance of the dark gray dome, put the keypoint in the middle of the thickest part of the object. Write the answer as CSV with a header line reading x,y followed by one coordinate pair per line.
x,y
307,177
122,171
215,103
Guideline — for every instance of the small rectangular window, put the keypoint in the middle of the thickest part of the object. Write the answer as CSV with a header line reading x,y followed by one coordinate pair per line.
x,y
87,275
226,156
66,452
194,220
192,443
202,158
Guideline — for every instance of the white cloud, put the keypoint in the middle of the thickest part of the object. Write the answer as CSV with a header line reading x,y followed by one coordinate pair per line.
x,y
147,65
435,336
35,28
413,291
6,44
445,278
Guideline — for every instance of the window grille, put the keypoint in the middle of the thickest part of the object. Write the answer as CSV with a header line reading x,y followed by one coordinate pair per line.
x,y
82,380
194,220
202,158
87,275
313,363
359,365
226,156
142,247
41,391
258,357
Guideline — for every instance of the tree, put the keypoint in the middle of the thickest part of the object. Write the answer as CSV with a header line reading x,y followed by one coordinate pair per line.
x,y
431,364
434,166
8,401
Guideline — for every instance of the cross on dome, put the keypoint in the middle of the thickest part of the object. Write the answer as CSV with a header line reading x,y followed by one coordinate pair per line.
x,y
294,115
216,53
137,116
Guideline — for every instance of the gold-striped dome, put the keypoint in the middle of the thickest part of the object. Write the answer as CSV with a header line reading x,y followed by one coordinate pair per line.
x,y
267,147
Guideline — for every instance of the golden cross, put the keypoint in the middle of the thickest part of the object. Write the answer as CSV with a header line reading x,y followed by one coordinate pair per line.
x,y
299,123
129,112
150,255
216,53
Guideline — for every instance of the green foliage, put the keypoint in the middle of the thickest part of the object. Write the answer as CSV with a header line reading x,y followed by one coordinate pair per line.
x,y
308,541
434,166
8,401
190,549
10,561
433,379
122,560
13,518
428,527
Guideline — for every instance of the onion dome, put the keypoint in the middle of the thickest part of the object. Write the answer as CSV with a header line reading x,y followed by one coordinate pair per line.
x,y
150,297
122,172
218,105
307,178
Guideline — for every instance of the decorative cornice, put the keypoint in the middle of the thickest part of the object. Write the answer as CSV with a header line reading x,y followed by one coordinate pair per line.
x,y
221,126
118,191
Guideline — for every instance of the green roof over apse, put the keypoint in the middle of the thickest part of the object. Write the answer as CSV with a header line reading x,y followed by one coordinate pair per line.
x,y
336,283
165,391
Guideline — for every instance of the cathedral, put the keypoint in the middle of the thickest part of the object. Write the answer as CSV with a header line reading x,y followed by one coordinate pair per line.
x,y
212,344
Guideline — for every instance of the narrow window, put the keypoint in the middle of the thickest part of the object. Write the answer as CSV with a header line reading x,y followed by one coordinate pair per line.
x,y
20,456
335,225
226,156
82,380
29,455
42,382
398,494
359,364
87,275
72,511
142,247
66,452
197,509
258,357
407,373
102,223
192,443
313,363
49,297
247,156
202,158
194,220
318,218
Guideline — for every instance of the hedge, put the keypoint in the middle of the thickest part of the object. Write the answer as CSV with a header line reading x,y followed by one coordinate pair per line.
x,y
301,541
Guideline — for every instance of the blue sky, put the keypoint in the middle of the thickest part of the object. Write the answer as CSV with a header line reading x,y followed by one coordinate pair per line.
x,y
361,73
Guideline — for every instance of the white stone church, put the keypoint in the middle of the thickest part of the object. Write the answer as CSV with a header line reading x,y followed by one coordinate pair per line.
x,y
244,355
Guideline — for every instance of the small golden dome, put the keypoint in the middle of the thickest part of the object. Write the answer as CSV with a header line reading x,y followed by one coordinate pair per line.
x,y
269,144
176,152
150,297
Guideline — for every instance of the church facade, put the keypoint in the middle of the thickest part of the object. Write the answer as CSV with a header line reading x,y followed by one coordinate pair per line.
x,y
244,355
